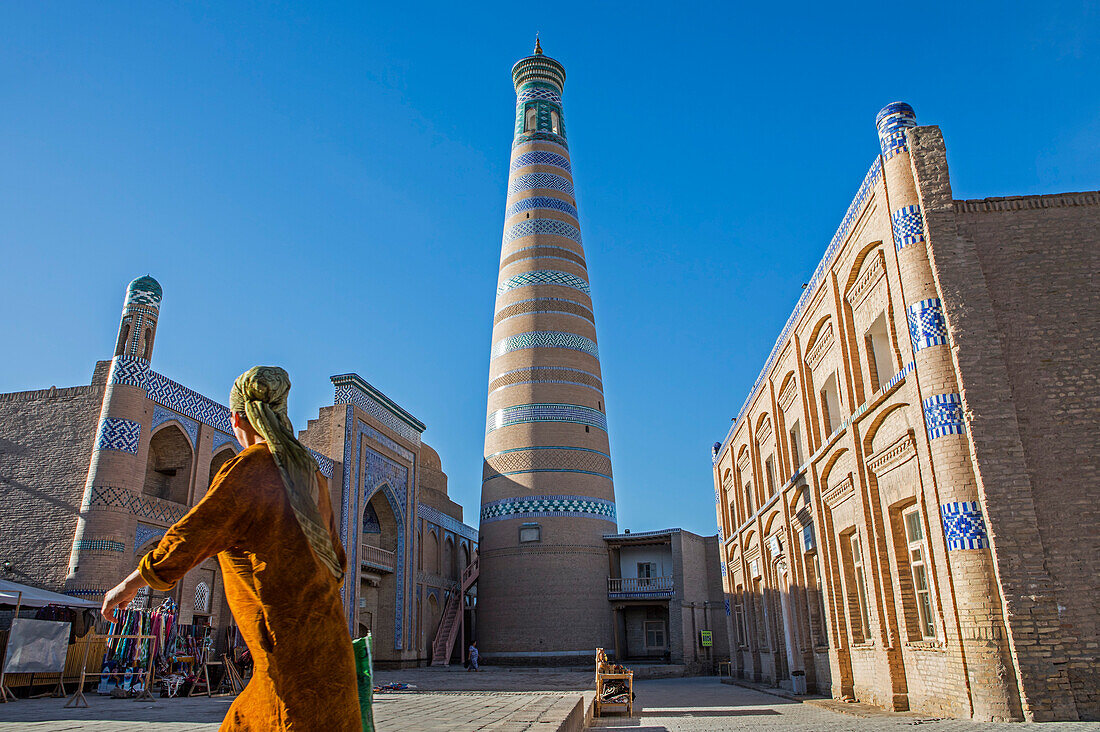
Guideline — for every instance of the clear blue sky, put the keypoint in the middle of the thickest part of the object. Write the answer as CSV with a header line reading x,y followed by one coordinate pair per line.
x,y
349,163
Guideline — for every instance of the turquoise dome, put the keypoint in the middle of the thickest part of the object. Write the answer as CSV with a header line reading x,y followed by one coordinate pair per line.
x,y
144,291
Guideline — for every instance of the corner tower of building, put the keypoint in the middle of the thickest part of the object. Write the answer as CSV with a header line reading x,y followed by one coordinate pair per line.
x,y
547,497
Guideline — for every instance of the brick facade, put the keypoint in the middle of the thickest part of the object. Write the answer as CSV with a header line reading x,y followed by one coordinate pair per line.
x,y
907,499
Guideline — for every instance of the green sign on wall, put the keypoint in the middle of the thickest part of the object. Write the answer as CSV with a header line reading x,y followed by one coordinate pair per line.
x,y
706,640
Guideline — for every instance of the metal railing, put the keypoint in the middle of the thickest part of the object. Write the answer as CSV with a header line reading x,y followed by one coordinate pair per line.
x,y
649,586
376,557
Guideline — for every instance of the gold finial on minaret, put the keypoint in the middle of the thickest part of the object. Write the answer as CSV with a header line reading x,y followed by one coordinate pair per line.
x,y
538,46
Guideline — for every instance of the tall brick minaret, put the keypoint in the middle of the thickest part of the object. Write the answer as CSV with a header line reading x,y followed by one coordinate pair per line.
x,y
547,497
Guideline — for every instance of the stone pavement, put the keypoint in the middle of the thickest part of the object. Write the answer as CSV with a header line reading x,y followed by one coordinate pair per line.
x,y
703,704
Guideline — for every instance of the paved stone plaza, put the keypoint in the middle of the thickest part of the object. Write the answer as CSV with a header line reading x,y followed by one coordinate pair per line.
x,y
663,705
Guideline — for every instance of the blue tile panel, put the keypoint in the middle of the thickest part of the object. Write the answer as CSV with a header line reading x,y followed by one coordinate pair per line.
x,y
532,227
190,426
963,525
727,601
141,506
220,438
544,277
98,545
545,339
927,326
324,464
130,371
537,181
537,92
447,522
540,506
144,534
123,435
526,413
348,393
892,121
908,225
943,415
541,157
537,202
182,400
866,189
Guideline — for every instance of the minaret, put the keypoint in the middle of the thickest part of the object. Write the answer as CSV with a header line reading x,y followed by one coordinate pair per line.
x,y
547,496
102,547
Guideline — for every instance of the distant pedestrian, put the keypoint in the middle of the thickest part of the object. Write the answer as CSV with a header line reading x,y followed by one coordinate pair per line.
x,y
472,658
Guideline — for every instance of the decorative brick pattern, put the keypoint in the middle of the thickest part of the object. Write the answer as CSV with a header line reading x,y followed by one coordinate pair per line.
x,y
545,339
547,459
908,225
546,375
943,415
526,413
541,157
141,506
190,426
927,326
123,435
544,277
544,252
544,305
541,506
963,525
537,202
533,227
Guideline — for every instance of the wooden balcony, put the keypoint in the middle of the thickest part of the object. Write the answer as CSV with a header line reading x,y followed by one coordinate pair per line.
x,y
375,558
639,588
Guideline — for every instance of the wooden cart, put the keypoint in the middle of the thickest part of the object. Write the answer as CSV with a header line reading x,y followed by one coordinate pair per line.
x,y
620,677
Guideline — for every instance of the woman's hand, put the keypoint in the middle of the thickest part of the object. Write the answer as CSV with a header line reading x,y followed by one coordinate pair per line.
x,y
119,597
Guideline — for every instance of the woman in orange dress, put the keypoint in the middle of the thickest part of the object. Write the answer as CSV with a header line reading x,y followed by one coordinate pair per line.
x,y
268,517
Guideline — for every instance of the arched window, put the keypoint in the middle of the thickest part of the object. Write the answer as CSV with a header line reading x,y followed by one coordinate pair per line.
x,y
555,127
202,598
530,118
148,344
123,336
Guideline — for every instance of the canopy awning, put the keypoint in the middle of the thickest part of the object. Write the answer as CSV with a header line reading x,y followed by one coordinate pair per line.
x,y
36,597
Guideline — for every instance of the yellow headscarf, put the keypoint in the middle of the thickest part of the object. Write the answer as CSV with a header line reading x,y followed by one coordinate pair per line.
x,y
260,394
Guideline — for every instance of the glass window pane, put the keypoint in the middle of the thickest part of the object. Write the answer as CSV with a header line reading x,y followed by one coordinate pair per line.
x,y
912,526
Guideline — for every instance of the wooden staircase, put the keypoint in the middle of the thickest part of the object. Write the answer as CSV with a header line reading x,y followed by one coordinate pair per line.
x,y
451,624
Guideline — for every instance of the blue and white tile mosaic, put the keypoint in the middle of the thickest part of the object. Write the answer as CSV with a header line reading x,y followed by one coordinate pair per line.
x,y
943,415
536,181
182,400
123,435
927,326
324,464
540,506
129,370
537,202
908,225
447,522
190,426
537,92
143,534
533,227
892,121
541,157
526,413
146,507
543,138
545,339
963,525
866,189
544,277
348,393
220,438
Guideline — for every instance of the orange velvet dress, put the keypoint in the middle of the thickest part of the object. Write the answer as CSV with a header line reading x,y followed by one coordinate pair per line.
x,y
286,603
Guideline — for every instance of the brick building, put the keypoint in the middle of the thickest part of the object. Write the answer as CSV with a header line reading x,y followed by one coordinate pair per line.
x,y
907,498
92,476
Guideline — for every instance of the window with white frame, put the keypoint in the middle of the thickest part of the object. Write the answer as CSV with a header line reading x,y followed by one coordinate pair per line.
x,y
769,469
796,445
655,634
830,404
860,580
646,572
918,567
879,359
